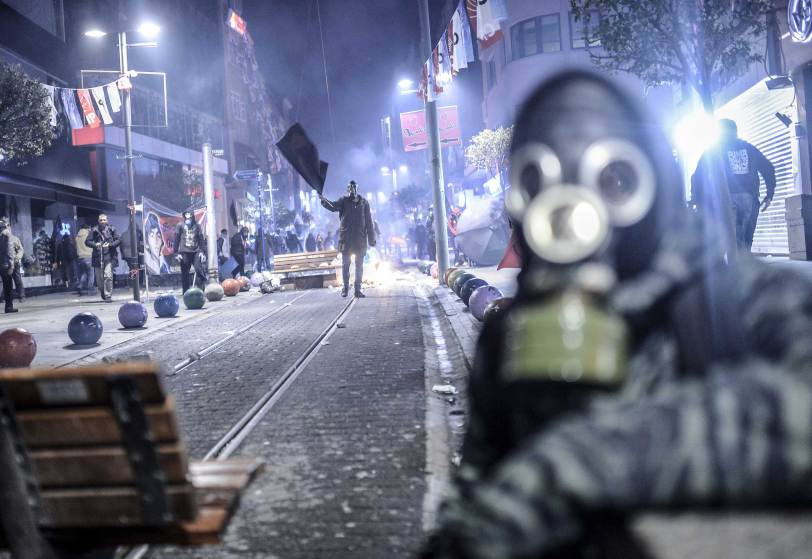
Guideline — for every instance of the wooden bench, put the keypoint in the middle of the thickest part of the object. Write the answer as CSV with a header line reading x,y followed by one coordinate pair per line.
x,y
307,270
91,458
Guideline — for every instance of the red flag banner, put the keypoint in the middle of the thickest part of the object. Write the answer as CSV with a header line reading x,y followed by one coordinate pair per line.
x,y
91,118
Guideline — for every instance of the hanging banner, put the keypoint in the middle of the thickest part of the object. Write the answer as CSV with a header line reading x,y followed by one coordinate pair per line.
x,y
159,223
50,89
486,17
101,104
115,98
91,118
415,136
69,103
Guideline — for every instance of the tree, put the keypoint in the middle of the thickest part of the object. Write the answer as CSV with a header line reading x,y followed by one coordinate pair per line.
x,y
489,151
25,116
704,44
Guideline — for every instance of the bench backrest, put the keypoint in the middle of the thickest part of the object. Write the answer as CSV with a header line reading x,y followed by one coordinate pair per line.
x,y
305,261
100,445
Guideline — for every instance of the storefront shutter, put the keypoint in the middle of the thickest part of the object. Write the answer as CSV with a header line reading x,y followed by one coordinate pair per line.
x,y
754,113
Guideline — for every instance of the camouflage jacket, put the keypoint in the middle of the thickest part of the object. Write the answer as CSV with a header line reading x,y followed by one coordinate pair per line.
x,y
533,480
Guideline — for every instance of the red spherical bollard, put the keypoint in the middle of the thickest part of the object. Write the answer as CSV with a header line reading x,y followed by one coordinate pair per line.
x,y
17,348
231,287
245,283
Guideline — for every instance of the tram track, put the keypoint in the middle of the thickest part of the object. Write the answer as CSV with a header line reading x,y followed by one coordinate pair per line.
x,y
246,424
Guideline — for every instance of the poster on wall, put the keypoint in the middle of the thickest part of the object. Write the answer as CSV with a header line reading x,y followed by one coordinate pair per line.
x,y
159,224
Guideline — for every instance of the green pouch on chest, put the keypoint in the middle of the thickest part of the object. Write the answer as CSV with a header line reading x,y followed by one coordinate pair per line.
x,y
566,338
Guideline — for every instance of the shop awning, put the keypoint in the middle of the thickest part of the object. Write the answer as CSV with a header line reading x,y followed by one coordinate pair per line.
x,y
16,185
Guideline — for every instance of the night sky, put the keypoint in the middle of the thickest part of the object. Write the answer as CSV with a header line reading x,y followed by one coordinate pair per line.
x,y
369,45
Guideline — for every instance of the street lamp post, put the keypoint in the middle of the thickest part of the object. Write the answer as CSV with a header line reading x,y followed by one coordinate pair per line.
x,y
128,162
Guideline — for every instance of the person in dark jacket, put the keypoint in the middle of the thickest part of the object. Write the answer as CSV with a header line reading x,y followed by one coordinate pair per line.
x,y
737,165
104,241
222,249
189,242
310,242
66,258
355,232
292,241
239,246
6,265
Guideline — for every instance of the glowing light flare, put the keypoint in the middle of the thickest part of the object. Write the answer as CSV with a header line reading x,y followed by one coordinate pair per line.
x,y
695,133
585,223
149,29
95,33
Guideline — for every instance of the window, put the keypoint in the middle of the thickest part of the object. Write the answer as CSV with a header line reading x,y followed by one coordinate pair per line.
x,y
537,35
237,107
580,30
491,74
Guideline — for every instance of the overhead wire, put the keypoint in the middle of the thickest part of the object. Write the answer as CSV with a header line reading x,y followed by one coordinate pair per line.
x,y
326,80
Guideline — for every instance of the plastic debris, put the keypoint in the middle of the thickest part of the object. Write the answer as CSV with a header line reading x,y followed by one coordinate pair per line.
x,y
445,389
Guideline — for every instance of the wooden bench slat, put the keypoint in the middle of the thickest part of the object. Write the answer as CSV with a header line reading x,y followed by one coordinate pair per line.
x,y
108,506
103,466
82,386
73,427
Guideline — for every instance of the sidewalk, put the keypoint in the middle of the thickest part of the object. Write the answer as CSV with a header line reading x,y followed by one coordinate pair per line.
x,y
47,317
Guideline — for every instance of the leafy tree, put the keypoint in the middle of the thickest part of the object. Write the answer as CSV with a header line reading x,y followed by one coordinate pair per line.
x,y
489,151
704,44
411,196
25,116
284,217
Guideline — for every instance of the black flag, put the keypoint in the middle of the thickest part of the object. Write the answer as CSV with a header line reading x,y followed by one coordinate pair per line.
x,y
303,155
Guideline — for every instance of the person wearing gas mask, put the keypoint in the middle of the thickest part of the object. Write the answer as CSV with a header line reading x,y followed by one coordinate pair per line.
x,y
7,265
104,241
355,232
189,242
638,367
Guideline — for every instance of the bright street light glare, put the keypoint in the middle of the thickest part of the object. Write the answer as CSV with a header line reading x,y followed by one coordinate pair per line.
x,y
405,83
404,169
149,29
695,133
95,33
384,170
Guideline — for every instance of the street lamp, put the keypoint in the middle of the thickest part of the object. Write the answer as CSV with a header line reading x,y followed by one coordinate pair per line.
x,y
385,171
149,30
404,169
406,87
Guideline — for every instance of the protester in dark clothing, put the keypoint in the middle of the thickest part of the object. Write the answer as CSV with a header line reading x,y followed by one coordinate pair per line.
x,y
319,242
189,242
431,242
292,242
736,165
66,259
104,241
7,265
419,238
329,243
310,243
222,247
356,231
239,246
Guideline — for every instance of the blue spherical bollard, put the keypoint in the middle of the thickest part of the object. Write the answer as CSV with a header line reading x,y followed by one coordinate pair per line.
x,y
166,305
132,314
85,329
469,287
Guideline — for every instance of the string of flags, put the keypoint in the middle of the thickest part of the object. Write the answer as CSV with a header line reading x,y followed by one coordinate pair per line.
x,y
471,18
87,107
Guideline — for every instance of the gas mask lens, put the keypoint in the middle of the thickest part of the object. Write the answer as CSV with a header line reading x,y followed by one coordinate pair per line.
x,y
566,223
532,167
623,176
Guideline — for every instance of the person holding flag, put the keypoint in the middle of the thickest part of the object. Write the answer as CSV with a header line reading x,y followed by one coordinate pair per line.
x,y
356,231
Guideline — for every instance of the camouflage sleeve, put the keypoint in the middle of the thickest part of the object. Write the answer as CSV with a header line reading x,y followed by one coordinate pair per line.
x,y
741,436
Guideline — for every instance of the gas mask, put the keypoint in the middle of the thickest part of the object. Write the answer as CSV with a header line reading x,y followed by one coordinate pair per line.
x,y
352,189
2,226
593,189
188,219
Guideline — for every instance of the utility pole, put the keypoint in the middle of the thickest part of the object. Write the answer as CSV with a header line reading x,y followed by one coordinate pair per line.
x,y
211,225
260,240
435,154
128,163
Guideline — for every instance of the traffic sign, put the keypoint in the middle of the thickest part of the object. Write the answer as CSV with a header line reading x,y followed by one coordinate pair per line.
x,y
248,175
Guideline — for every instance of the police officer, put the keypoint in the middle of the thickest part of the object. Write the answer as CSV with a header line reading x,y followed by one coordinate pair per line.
x,y
356,231
189,242
635,369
